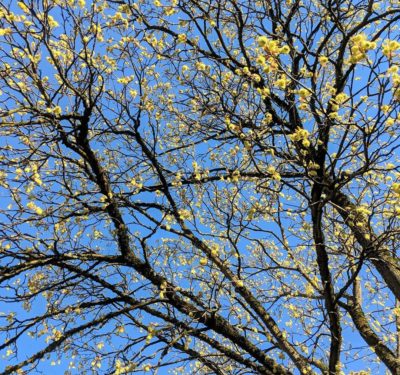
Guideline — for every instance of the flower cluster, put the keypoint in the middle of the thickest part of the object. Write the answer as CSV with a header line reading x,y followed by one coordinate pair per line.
x,y
271,50
300,135
390,47
360,45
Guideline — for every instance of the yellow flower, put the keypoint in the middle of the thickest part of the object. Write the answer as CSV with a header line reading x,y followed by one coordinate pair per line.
x,y
264,92
262,41
303,93
184,214
274,173
389,47
359,46
341,98
261,60
282,82
285,49
239,283
270,46
56,110
303,106
200,66
323,60
125,80
390,122
32,206
267,118
396,188
52,22
23,7
100,345
146,368
214,249
182,38
6,31
300,135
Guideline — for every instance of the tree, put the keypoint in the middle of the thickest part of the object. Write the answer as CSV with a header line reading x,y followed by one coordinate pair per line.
x,y
204,186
